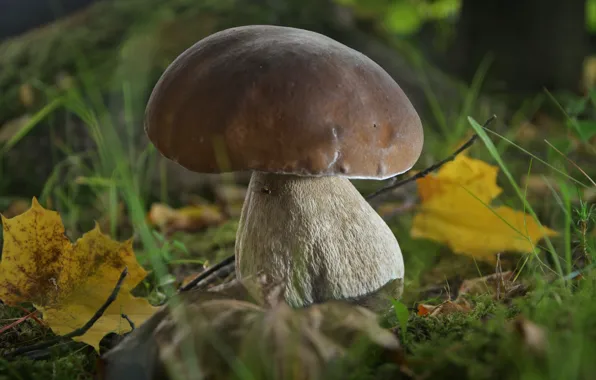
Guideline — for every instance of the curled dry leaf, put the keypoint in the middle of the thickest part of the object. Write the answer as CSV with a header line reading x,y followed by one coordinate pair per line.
x,y
455,210
231,197
189,218
527,132
216,336
532,335
16,207
12,127
69,282
487,284
539,185
26,94
460,305
589,195
389,209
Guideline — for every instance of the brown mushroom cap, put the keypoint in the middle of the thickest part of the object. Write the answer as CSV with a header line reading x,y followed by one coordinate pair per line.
x,y
282,100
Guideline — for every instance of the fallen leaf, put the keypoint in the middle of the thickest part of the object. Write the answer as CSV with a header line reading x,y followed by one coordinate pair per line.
x,y
69,282
424,310
589,195
589,73
532,335
12,127
487,284
189,218
539,185
526,132
231,197
274,340
460,305
455,211
64,81
16,207
26,95
476,176
390,209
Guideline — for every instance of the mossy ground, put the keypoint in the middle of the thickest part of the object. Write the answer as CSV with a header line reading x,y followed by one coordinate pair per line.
x,y
485,343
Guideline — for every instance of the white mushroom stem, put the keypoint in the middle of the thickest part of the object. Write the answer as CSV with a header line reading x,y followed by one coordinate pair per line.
x,y
319,236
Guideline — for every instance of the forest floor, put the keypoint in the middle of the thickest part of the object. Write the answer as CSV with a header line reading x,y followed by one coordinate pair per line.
x,y
463,314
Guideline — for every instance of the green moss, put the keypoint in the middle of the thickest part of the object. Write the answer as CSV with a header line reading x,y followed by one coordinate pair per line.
x,y
62,362
78,365
484,344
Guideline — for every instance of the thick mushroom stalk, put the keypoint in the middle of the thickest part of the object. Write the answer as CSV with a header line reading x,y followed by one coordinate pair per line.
x,y
320,237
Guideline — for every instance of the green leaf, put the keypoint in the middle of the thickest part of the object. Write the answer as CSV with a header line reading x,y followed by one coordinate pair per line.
x,y
402,17
586,129
591,16
30,124
402,314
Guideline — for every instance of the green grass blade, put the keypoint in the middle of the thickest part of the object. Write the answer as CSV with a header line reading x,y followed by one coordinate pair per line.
x,y
497,157
35,120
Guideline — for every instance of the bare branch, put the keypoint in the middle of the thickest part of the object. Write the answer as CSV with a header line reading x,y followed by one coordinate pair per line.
x,y
212,271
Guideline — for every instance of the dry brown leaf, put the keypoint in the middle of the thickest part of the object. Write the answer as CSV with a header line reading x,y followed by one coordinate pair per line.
x,y
390,209
532,335
231,197
189,218
64,81
424,310
589,195
526,132
273,342
589,73
460,305
538,185
26,94
16,207
487,284
9,129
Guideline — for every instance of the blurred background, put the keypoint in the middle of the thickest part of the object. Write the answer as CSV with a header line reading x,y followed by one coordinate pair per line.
x,y
75,76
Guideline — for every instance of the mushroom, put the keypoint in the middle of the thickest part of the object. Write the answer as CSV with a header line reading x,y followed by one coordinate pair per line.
x,y
305,114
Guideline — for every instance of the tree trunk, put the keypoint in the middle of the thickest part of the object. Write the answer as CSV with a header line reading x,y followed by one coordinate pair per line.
x,y
535,44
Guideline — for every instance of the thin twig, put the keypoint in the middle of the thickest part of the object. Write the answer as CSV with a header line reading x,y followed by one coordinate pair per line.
x,y
80,331
130,322
207,273
499,273
431,168
17,322
571,162
39,321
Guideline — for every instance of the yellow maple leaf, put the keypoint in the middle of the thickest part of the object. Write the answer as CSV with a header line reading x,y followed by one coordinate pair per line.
x,y
477,176
455,211
69,282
